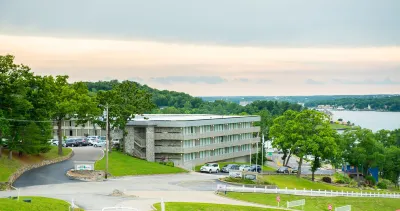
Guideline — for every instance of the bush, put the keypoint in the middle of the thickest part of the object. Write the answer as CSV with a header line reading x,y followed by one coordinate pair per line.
x,y
370,181
385,184
168,163
342,178
381,185
353,184
340,181
327,179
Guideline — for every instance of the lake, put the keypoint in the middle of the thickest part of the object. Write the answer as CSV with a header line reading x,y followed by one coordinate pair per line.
x,y
370,119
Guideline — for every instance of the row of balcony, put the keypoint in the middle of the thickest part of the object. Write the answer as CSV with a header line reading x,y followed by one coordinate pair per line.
x,y
180,149
181,136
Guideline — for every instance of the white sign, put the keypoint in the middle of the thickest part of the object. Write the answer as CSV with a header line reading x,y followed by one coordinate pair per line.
x,y
296,203
83,167
344,208
235,174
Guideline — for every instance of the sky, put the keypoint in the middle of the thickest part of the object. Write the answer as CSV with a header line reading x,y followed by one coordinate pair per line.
x,y
212,48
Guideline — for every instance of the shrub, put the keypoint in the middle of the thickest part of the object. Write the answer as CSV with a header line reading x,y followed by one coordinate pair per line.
x,y
385,184
327,179
170,163
353,184
343,178
382,185
370,181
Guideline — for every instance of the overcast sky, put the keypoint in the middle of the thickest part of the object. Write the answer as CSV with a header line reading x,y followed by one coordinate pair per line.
x,y
210,47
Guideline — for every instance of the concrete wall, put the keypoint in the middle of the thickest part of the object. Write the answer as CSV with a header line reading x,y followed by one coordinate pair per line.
x,y
150,144
129,141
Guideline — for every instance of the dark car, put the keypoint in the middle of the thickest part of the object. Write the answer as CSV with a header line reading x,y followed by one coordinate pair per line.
x,y
283,170
71,143
255,168
83,141
229,167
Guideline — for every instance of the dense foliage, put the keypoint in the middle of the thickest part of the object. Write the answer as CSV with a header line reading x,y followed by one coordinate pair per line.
x,y
391,103
171,102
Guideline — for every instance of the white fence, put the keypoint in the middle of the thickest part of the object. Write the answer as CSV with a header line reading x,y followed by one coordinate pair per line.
x,y
344,208
305,192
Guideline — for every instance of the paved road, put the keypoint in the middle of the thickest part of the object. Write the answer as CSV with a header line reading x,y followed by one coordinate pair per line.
x,y
55,173
93,196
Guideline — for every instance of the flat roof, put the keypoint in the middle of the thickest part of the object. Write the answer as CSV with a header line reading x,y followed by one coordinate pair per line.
x,y
179,120
181,117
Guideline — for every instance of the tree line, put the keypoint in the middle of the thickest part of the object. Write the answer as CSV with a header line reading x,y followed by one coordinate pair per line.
x,y
391,103
307,134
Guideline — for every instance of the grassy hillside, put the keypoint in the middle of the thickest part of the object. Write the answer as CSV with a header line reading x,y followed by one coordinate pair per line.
x,y
122,165
184,206
321,203
37,204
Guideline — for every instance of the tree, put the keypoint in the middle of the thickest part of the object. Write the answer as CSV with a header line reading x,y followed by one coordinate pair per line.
x,y
70,101
391,167
362,151
124,101
282,133
14,85
314,137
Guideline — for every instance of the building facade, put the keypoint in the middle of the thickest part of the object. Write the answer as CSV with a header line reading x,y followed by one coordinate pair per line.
x,y
69,128
190,140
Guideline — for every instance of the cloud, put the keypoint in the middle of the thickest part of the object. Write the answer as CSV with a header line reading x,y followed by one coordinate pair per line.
x,y
264,81
189,79
136,79
294,23
386,81
243,80
314,82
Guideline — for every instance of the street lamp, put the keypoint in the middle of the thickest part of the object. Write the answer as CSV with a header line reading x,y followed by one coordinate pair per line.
x,y
106,171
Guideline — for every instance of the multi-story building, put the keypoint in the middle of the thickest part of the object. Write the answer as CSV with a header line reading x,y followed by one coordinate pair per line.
x,y
190,140
187,140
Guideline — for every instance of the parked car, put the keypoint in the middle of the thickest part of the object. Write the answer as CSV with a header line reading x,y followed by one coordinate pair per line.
x,y
71,143
82,141
294,170
255,168
283,170
55,142
99,144
210,167
91,141
229,167
244,168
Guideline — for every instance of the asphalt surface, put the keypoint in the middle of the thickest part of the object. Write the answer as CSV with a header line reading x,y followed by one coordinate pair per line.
x,y
55,173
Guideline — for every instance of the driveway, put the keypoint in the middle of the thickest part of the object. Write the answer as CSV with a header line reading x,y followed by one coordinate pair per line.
x,y
55,173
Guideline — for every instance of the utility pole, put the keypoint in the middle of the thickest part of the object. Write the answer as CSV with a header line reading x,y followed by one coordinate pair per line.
x,y
262,152
106,142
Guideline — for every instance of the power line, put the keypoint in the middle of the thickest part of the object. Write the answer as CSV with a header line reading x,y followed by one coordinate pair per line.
x,y
26,120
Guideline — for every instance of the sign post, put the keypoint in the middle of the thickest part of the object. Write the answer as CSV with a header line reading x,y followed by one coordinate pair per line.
x,y
278,199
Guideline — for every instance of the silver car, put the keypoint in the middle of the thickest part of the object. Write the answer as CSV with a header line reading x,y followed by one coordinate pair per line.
x,y
99,144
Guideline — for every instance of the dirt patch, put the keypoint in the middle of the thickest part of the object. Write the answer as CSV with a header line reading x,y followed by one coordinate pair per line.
x,y
86,175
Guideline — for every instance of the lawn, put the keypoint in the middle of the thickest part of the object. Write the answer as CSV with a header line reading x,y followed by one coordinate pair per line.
x,y
37,204
291,182
222,164
321,203
340,126
120,164
185,206
7,167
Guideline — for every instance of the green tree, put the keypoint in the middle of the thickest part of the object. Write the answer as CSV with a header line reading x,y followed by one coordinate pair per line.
x,y
70,102
14,85
124,101
282,133
314,137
